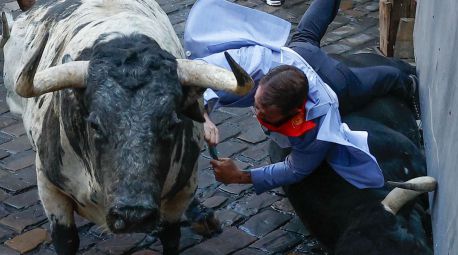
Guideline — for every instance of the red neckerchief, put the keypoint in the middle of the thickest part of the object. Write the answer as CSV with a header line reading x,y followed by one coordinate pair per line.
x,y
294,127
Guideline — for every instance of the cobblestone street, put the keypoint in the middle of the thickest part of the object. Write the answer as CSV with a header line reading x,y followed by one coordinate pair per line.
x,y
264,224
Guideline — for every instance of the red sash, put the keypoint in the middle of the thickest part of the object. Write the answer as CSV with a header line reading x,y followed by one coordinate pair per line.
x,y
294,127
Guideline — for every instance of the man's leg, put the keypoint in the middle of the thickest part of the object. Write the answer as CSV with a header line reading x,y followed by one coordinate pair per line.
x,y
315,21
380,81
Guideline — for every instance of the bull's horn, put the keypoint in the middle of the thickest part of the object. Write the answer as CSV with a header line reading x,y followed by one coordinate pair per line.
x,y
398,197
5,28
200,74
427,184
69,75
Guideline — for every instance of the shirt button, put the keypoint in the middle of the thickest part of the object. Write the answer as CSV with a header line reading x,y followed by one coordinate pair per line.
x,y
188,53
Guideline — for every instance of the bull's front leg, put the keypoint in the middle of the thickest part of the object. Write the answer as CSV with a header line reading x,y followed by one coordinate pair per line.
x,y
59,209
170,238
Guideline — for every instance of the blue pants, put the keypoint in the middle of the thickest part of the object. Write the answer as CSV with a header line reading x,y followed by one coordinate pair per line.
x,y
353,86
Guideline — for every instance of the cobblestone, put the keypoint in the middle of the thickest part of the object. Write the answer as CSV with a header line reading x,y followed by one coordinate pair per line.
x,y
277,241
28,241
263,223
229,241
355,29
18,221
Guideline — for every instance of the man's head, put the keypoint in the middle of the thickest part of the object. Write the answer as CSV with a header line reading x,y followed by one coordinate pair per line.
x,y
280,94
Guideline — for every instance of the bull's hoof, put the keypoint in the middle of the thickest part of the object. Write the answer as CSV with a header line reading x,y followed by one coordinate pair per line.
x,y
207,226
202,219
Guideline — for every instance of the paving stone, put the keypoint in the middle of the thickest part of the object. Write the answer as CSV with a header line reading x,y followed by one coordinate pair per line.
x,y
295,225
4,138
6,121
205,178
81,222
20,180
251,131
235,189
252,204
23,200
145,252
250,251
5,234
214,201
17,145
120,244
372,7
4,154
18,221
87,241
358,39
277,242
189,238
346,4
15,129
3,106
3,211
203,163
19,161
227,242
310,246
7,251
28,241
336,48
227,217
227,130
3,195
230,148
237,111
283,206
264,223
257,152
219,117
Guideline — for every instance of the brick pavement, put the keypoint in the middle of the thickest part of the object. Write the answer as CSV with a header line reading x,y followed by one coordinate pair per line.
x,y
264,224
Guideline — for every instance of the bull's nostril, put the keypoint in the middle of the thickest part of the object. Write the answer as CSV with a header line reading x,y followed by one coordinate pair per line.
x,y
119,224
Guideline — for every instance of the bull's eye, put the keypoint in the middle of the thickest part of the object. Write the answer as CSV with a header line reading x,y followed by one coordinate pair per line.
x,y
93,122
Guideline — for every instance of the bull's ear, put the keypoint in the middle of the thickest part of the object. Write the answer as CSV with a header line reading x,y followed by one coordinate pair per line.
x,y
194,111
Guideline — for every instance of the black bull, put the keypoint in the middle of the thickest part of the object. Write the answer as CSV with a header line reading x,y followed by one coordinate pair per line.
x,y
352,221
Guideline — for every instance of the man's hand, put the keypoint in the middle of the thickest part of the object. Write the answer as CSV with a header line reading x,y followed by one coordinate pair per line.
x,y
226,171
211,133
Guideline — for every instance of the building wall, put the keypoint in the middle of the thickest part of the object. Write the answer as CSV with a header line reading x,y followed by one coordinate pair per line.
x,y
436,53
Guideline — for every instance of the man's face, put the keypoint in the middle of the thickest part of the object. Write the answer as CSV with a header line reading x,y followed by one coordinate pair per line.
x,y
270,114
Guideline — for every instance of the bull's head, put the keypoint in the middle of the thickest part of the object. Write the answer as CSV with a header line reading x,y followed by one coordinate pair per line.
x,y
139,119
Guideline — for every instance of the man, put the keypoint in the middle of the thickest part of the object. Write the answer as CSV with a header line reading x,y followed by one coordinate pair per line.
x,y
296,93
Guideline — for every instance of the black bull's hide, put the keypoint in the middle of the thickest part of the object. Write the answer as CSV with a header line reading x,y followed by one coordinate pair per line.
x,y
348,220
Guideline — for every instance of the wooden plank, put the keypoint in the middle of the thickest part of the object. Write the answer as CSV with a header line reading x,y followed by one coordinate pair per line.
x,y
404,39
391,11
385,7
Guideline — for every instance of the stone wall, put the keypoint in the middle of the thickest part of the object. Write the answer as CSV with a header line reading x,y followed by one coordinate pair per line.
x,y
436,52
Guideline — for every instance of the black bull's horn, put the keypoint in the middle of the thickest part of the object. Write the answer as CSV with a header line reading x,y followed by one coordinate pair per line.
x,y
73,75
406,191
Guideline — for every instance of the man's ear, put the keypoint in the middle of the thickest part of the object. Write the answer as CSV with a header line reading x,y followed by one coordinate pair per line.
x,y
195,111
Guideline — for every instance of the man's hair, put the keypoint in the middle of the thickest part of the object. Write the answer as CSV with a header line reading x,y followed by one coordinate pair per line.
x,y
284,86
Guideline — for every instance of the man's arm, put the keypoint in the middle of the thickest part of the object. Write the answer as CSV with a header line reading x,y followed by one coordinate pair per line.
x,y
296,166
300,163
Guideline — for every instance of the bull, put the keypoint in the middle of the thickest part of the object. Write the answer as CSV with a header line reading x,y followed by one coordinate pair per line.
x,y
113,111
388,220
